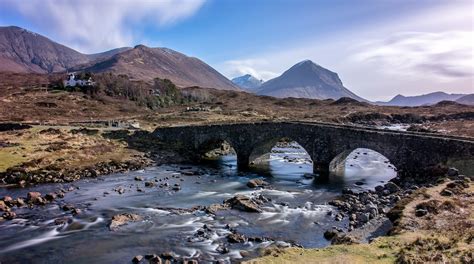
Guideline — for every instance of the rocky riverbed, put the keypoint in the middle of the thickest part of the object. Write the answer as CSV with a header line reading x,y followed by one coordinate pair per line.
x,y
199,214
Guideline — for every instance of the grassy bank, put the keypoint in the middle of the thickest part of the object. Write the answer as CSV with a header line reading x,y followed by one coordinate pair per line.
x,y
58,148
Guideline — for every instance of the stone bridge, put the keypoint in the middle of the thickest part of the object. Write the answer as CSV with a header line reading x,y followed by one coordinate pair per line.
x,y
409,152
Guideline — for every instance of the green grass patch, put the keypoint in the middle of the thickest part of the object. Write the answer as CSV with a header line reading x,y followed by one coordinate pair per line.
x,y
9,159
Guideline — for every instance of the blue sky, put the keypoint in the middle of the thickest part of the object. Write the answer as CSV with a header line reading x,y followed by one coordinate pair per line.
x,y
379,47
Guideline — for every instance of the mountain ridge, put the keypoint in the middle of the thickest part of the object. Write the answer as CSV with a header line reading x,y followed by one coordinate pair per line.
x,y
25,51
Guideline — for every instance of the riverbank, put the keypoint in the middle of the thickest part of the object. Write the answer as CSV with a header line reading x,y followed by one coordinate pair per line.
x,y
431,224
65,154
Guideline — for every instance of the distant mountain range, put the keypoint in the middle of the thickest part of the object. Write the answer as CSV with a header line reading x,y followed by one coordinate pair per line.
x,y
425,99
467,99
247,82
304,80
25,51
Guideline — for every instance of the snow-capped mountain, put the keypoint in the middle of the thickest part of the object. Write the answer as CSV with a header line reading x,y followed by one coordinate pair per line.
x,y
247,82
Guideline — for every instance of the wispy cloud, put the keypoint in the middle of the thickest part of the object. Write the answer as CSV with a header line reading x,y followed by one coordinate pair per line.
x,y
422,52
93,26
443,55
253,67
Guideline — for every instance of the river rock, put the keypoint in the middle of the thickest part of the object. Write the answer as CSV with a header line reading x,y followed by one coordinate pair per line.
x,y
34,197
9,201
122,219
222,249
168,255
243,203
379,188
421,212
347,191
392,187
254,183
213,208
155,260
137,259
20,202
452,172
138,178
330,234
9,215
363,218
235,238
68,207
3,206
149,184
343,239
50,196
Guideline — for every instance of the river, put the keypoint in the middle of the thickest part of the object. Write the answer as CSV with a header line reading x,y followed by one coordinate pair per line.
x,y
297,213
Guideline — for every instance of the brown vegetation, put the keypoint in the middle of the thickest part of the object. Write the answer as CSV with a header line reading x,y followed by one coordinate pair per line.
x,y
25,98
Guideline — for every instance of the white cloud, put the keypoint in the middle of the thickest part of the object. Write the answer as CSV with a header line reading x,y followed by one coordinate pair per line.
x,y
442,55
235,68
94,26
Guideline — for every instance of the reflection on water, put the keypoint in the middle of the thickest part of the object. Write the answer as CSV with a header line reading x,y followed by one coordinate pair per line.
x,y
297,211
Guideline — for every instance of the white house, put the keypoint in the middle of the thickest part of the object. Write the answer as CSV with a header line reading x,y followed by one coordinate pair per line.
x,y
73,81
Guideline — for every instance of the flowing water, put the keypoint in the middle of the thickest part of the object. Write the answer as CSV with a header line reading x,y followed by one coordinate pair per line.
x,y
297,213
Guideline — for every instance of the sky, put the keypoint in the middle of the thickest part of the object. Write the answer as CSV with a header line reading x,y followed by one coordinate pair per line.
x,y
379,48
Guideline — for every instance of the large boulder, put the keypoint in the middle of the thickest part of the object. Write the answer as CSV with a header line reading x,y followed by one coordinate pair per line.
x,y
122,219
243,203
254,183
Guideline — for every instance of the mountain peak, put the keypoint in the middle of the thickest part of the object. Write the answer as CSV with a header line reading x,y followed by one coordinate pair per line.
x,y
247,82
141,46
307,79
305,62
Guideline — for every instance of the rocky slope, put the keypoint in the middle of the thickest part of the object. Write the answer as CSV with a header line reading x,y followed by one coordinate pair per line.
x,y
307,80
247,82
147,63
25,51
425,99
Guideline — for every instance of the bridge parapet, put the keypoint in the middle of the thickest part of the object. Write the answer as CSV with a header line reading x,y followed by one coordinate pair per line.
x,y
409,152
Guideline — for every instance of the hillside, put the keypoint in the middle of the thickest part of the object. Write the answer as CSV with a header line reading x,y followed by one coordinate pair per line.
x,y
307,80
25,51
147,63
22,51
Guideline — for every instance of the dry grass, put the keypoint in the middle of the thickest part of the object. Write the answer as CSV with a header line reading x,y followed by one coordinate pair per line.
x,y
37,149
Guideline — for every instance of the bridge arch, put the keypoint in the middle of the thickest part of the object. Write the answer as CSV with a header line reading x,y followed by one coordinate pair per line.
x,y
265,147
361,158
